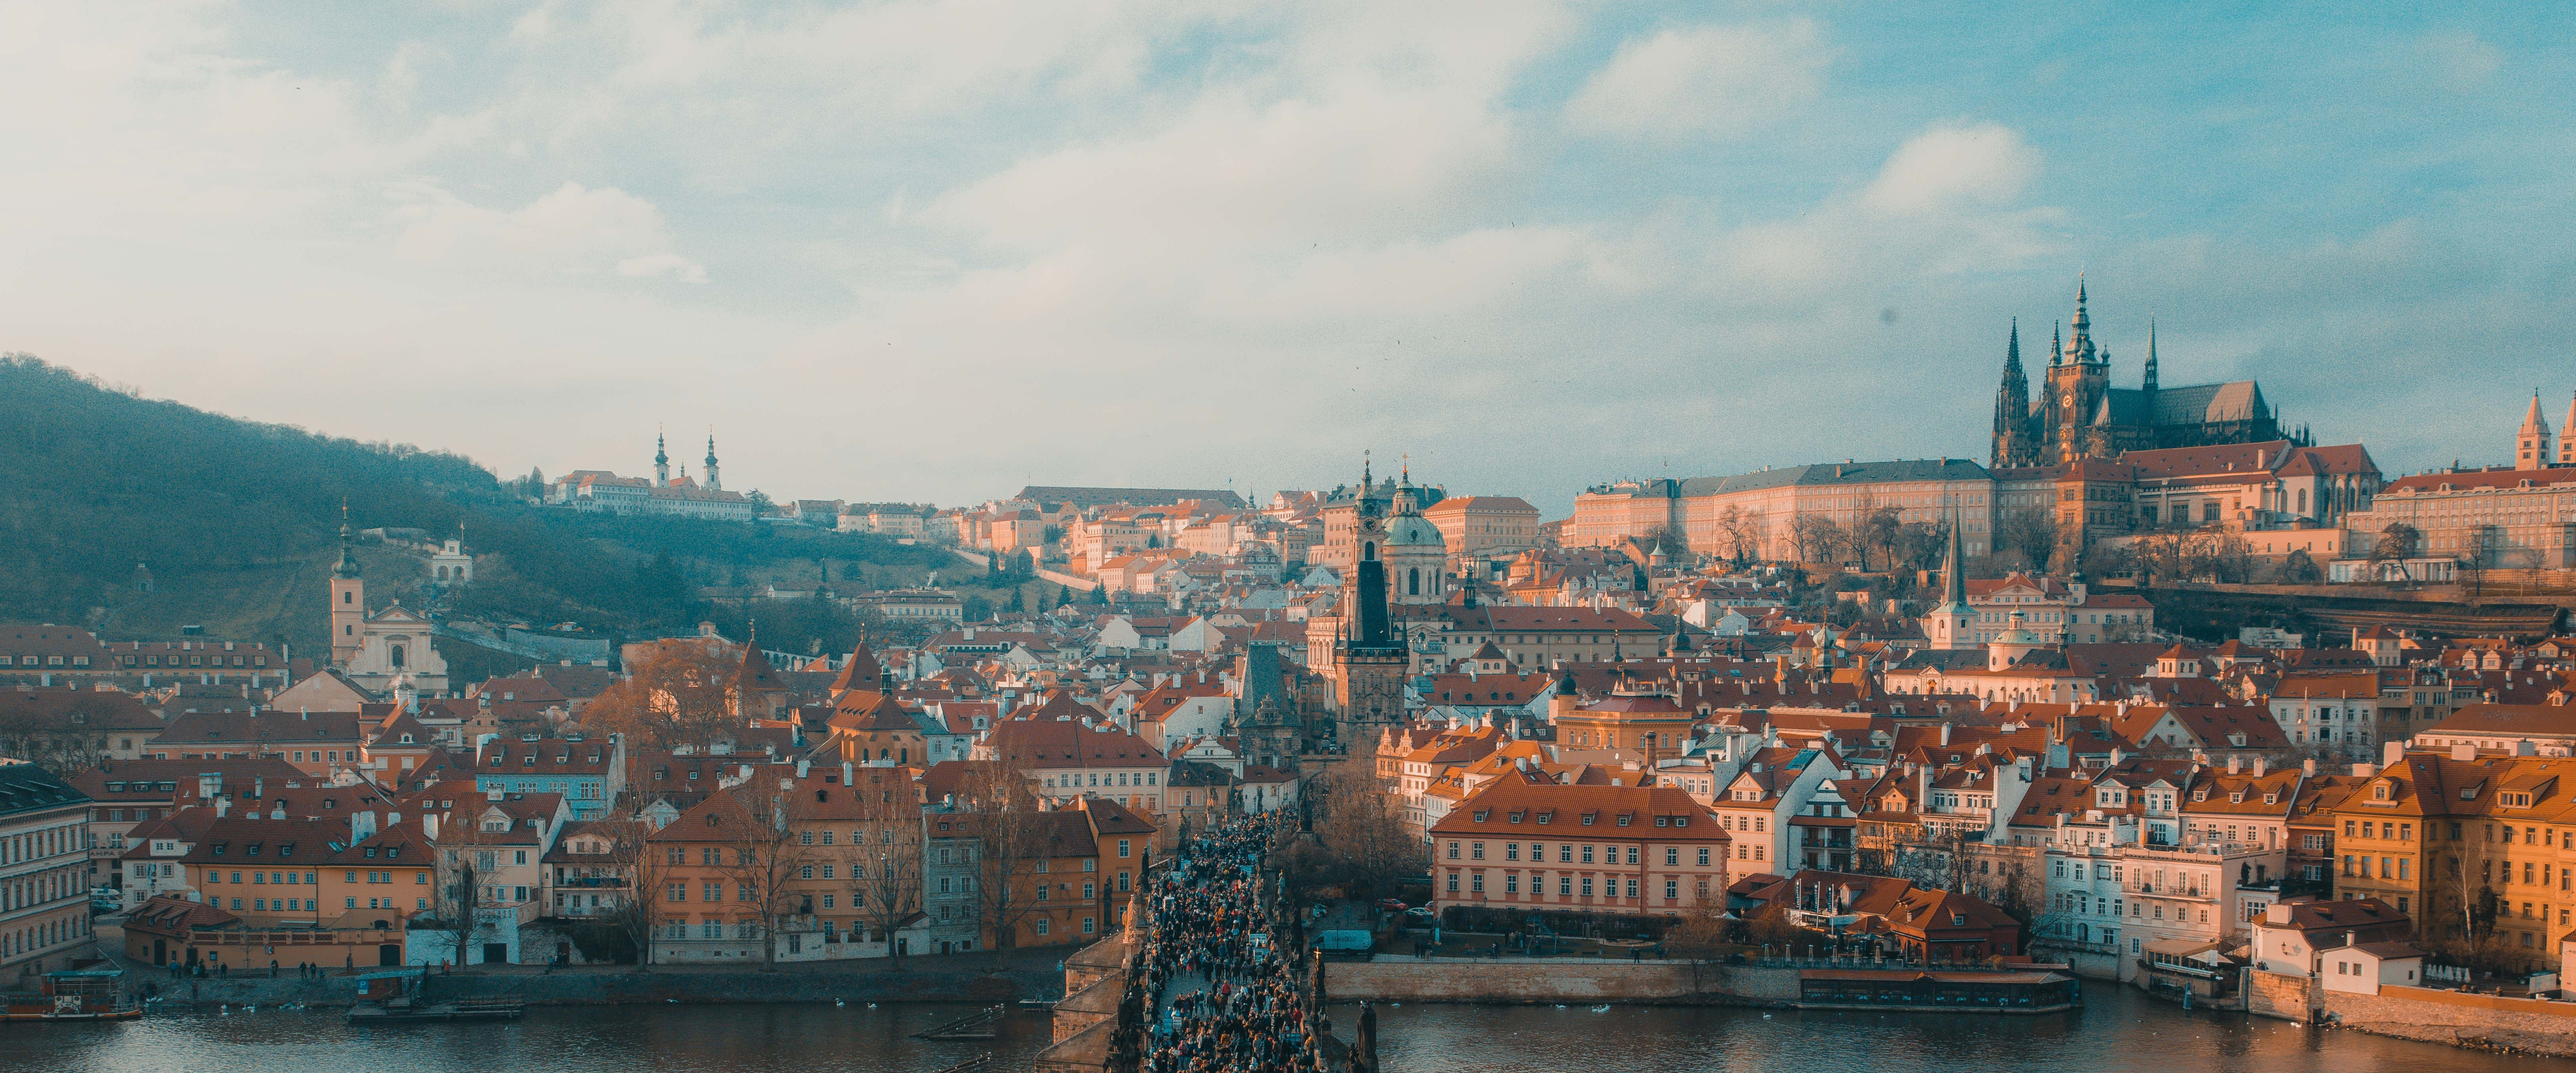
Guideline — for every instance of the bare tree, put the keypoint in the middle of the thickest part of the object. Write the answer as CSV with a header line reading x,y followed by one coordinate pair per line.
x,y
456,898
1733,534
1362,841
1814,537
1010,838
677,694
2030,532
766,842
886,872
645,867
1880,530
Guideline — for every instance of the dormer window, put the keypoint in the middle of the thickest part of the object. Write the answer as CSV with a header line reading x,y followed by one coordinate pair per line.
x,y
1515,817
1481,814
1588,818
1544,817
1623,820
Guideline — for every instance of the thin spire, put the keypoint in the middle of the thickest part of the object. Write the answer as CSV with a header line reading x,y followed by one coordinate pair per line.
x,y
2151,353
2056,344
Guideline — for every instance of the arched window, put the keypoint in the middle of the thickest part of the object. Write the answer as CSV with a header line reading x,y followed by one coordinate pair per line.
x,y
1368,550
1413,582
347,597
398,656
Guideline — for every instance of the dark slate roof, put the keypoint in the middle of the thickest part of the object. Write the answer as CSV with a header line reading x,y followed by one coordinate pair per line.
x,y
28,788
2192,404
1829,473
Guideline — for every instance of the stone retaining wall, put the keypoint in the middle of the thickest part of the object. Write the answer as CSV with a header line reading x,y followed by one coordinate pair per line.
x,y
2457,1018
1551,980
2288,996
663,984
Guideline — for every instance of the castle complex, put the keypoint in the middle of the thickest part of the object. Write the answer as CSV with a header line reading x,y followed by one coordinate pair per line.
x,y
2079,415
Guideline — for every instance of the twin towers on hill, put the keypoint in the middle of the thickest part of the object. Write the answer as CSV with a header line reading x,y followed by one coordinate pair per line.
x,y
2078,414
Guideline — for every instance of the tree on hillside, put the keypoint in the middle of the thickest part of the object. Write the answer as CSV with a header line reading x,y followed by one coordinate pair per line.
x,y
678,694
2397,542
2030,532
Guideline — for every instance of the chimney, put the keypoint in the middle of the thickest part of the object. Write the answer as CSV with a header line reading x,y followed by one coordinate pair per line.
x,y
849,773
223,807
2364,771
2460,751
1945,735
2259,764
429,825
2235,764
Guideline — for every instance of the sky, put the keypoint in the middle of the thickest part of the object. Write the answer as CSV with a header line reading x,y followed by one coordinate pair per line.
x,y
933,251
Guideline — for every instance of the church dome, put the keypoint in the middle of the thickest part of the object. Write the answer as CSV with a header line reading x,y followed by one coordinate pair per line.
x,y
1413,531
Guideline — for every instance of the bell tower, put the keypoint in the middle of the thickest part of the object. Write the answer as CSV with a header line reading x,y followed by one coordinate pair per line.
x,y
713,485
348,599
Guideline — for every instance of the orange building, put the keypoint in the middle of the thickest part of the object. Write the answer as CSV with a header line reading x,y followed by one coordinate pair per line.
x,y
1599,849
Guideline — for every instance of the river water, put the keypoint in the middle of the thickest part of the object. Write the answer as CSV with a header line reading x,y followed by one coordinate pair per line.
x,y
2118,1031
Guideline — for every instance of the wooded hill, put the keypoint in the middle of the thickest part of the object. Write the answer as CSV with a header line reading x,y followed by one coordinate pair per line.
x,y
237,524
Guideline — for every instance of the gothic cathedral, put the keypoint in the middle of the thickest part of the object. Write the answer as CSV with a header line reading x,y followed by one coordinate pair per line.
x,y
2078,414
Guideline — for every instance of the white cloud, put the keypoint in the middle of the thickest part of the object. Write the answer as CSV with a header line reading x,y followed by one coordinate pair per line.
x,y
1704,81
2460,59
574,229
1946,168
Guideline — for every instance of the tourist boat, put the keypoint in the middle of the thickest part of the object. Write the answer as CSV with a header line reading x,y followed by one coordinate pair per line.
x,y
74,995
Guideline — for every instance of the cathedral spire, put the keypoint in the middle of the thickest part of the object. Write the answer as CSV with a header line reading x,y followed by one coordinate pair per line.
x,y
2079,347
2012,406
2056,344
1954,573
2151,353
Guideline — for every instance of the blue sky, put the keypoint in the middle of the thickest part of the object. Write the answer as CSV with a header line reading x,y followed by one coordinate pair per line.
x,y
934,251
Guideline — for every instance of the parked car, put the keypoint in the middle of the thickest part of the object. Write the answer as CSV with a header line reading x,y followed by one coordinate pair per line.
x,y
1390,905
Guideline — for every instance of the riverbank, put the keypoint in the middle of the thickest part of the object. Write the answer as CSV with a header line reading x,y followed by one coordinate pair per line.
x,y
1008,981
1549,981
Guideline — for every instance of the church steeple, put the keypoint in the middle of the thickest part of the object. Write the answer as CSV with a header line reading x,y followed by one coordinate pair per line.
x,y
2012,406
2056,344
713,484
2079,347
2151,354
2531,443
661,459
348,565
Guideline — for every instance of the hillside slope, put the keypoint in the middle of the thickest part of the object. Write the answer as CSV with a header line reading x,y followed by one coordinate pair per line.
x,y
237,522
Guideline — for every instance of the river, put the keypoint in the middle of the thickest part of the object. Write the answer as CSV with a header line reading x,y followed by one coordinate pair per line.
x,y
2118,1031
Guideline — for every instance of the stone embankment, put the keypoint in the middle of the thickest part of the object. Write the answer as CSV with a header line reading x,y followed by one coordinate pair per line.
x,y
661,985
1554,980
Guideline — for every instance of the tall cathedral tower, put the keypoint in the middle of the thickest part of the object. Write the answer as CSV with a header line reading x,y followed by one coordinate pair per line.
x,y
2079,378
348,598
2014,444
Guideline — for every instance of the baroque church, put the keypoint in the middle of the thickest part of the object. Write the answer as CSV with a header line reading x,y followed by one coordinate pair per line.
x,y
2078,414
385,650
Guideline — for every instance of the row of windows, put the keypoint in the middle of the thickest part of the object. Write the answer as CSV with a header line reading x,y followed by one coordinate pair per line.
x,y
1567,886
1565,852
41,661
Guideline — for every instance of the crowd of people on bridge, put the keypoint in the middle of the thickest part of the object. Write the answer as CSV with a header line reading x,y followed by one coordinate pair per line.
x,y
1240,1009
